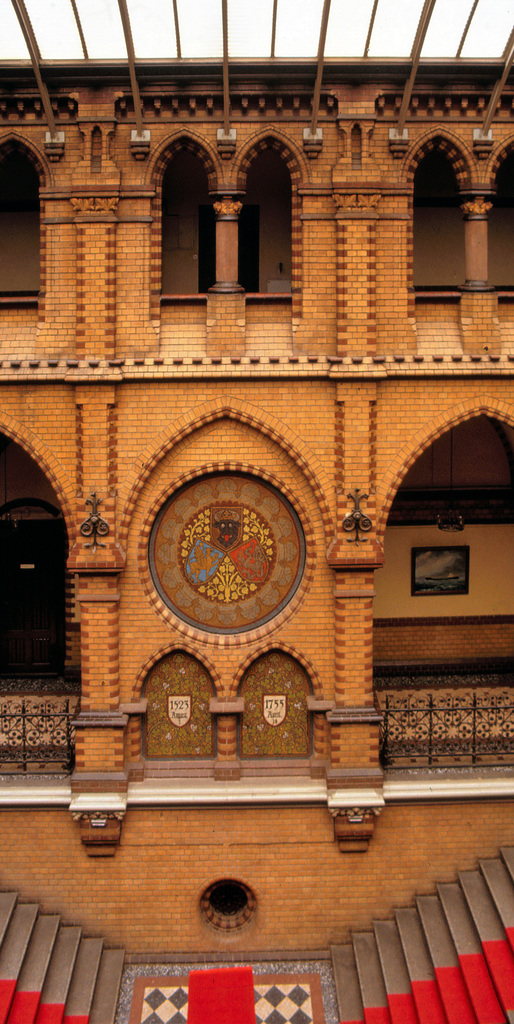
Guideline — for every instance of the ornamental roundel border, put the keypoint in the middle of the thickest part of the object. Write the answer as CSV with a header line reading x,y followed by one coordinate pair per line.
x,y
232,554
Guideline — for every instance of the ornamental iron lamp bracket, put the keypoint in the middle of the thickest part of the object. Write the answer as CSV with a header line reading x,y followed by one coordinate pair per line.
x,y
356,519
94,526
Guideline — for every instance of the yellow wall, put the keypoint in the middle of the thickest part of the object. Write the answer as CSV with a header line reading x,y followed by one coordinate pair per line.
x,y
491,573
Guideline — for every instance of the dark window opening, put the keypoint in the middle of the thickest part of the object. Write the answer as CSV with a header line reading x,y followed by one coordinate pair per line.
x,y
438,227
19,226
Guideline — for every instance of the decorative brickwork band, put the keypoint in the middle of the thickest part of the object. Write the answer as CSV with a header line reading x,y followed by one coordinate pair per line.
x,y
94,204
356,201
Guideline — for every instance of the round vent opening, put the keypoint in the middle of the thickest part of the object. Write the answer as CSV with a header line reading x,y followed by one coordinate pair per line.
x,y
227,904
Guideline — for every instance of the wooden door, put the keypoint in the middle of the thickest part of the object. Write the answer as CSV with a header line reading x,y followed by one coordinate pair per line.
x,y
31,598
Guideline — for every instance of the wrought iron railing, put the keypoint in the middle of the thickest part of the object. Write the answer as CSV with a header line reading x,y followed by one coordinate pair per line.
x,y
36,735
428,729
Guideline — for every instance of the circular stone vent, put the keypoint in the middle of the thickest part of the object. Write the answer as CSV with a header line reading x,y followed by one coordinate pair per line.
x,y
227,904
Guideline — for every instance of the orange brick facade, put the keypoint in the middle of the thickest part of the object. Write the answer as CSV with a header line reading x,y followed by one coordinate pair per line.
x,y
116,390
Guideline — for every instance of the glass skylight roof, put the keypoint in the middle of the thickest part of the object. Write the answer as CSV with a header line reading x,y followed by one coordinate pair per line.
x,y
356,29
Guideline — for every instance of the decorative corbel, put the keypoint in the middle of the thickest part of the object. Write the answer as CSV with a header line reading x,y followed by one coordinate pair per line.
x,y
482,143
398,142
226,143
354,827
54,146
312,142
100,831
140,144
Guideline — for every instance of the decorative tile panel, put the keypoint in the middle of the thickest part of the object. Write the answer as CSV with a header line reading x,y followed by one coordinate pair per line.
x,y
227,553
178,721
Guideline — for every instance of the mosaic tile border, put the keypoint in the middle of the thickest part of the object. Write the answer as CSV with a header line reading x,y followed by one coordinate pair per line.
x,y
279,999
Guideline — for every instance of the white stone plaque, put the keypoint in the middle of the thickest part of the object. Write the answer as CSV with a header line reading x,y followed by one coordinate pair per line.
x,y
274,708
179,710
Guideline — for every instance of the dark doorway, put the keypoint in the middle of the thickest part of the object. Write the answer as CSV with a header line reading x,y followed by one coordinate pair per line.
x,y
32,597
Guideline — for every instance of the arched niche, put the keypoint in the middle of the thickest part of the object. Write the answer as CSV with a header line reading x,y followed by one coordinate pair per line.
x,y
19,225
265,226
438,228
276,721
35,640
501,227
178,721
188,227
469,469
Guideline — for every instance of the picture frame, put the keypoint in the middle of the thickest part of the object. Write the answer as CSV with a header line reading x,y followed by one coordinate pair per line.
x,y
440,571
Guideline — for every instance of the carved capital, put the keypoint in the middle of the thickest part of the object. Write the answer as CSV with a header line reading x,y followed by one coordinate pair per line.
x,y
476,208
228,208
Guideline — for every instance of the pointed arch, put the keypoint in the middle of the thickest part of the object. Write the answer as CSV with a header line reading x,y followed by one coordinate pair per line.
x,y
174,647
184,141
227,408
14,143
499,154
458,155
275,140
289,649
41,454
479,405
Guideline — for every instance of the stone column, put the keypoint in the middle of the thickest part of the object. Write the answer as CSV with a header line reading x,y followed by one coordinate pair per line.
x,y
479,323
227,210
226,320
475,211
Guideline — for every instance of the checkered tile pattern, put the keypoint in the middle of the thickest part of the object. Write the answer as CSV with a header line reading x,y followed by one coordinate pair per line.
x,y
280,1003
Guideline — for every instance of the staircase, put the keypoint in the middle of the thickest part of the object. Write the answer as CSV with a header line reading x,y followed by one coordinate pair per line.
x,y
448,960
49,974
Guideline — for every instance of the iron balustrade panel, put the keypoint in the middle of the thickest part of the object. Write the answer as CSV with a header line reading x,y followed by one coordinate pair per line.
x,y
427,730
36,734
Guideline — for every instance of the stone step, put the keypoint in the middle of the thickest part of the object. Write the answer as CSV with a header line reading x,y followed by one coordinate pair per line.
x,y
448,960
49,974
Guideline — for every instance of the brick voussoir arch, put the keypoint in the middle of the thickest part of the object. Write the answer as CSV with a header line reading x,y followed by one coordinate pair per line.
x,y
283,648
220,409
499,154
175,646
179,142
11,143
480,405
51,467
273,139
460,157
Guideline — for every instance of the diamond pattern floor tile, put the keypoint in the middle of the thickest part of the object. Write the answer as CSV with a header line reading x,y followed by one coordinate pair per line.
x,y
279,999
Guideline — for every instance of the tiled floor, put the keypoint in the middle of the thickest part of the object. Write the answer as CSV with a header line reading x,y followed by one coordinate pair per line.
x,y
280,998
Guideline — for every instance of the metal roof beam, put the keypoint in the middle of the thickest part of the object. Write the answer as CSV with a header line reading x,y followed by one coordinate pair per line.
x,y
129,43
498,88
35,57
79,29
419,39
319,74
177,29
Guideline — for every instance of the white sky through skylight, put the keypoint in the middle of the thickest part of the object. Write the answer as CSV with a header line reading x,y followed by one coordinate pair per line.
x,y
250,29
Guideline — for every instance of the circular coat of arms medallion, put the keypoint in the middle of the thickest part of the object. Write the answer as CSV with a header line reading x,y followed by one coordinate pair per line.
x,y
227,553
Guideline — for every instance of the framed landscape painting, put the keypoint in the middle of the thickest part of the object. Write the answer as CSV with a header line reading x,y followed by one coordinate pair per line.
x,y
440,571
